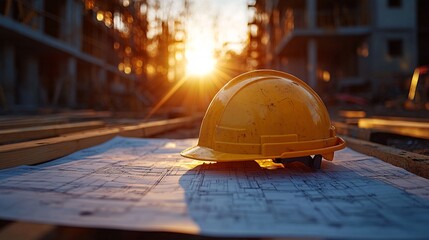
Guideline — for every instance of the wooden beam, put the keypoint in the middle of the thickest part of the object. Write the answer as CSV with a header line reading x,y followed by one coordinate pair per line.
x,y
38,132
26,231
85,114
352,131
401,127
31,122
156,127
367,126
412,162
352,114
9,122
14,28
43,150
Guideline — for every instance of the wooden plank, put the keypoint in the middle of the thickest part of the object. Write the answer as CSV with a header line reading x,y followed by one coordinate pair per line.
x,y
148,129
36,231
352,114
39,151
38,132
85,114
401,127
352,131
412,162
26,231
31,122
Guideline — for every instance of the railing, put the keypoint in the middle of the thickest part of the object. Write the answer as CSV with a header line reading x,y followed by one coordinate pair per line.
x,y
292,19
342,18
27,13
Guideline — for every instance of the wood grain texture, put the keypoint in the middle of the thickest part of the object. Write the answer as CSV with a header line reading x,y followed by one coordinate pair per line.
x,y
26,231
38,132
38,151
412,162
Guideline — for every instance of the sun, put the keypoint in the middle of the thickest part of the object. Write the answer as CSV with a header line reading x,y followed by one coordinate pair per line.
x,y
199,63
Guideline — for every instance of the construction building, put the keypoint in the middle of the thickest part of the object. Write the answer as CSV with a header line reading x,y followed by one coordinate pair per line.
x,y
337,45
81,54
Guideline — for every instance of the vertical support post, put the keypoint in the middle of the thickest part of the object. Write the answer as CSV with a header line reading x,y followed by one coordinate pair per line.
x,y
71,31
71,88
93,95
39,20
29,89
77,16
102,88
312,63
311,13
311,45
8,74
67,23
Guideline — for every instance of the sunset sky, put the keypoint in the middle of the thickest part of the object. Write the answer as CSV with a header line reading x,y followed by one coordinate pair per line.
x,y
225,20
211,25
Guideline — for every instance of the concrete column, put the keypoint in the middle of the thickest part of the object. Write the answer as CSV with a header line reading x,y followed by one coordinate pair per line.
x,y
71,29
8,74
29,87
66,21
311,6
102,88
100,80
71,78
77,24
312,63
39,20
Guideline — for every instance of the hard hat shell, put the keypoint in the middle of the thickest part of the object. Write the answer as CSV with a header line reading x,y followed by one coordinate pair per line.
x,y
265,114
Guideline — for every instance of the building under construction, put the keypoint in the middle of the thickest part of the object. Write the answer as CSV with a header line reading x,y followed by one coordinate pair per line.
x,y
83,54
340,45
104,136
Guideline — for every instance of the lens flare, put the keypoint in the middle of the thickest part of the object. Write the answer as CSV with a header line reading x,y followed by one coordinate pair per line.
x,y
199,63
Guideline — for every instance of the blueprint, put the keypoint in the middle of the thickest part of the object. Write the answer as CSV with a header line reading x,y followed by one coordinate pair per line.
x,y
144,184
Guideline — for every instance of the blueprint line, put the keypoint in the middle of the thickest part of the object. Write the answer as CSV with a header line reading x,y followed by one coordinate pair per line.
x,y
144,184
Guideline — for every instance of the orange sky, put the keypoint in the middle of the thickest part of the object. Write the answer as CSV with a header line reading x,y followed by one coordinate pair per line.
x,y
215,22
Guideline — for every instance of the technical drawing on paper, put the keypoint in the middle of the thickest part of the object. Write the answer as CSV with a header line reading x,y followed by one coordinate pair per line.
x,y
144,184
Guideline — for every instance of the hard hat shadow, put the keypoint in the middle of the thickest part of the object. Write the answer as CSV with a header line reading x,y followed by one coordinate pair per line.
x,y
256,165
251,198
233,190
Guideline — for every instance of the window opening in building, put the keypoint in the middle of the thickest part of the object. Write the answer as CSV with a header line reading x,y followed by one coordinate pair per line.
x,y
395,48
394,3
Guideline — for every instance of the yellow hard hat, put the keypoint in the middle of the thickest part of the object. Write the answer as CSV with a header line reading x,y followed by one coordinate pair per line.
x,y
265,114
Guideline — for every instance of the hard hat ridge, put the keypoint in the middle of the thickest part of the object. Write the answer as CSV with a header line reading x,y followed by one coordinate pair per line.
x,y
265,114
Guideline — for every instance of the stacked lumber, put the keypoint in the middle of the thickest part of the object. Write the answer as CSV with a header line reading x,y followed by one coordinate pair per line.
x,y
48,139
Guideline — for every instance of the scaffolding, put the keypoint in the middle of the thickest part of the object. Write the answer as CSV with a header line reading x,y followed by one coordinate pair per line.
x,y
80,54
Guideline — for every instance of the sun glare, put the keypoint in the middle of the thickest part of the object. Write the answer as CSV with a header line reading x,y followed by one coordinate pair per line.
x,y
199,63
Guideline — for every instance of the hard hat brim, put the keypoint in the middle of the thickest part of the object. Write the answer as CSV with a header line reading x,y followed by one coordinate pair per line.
x,y
208,154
